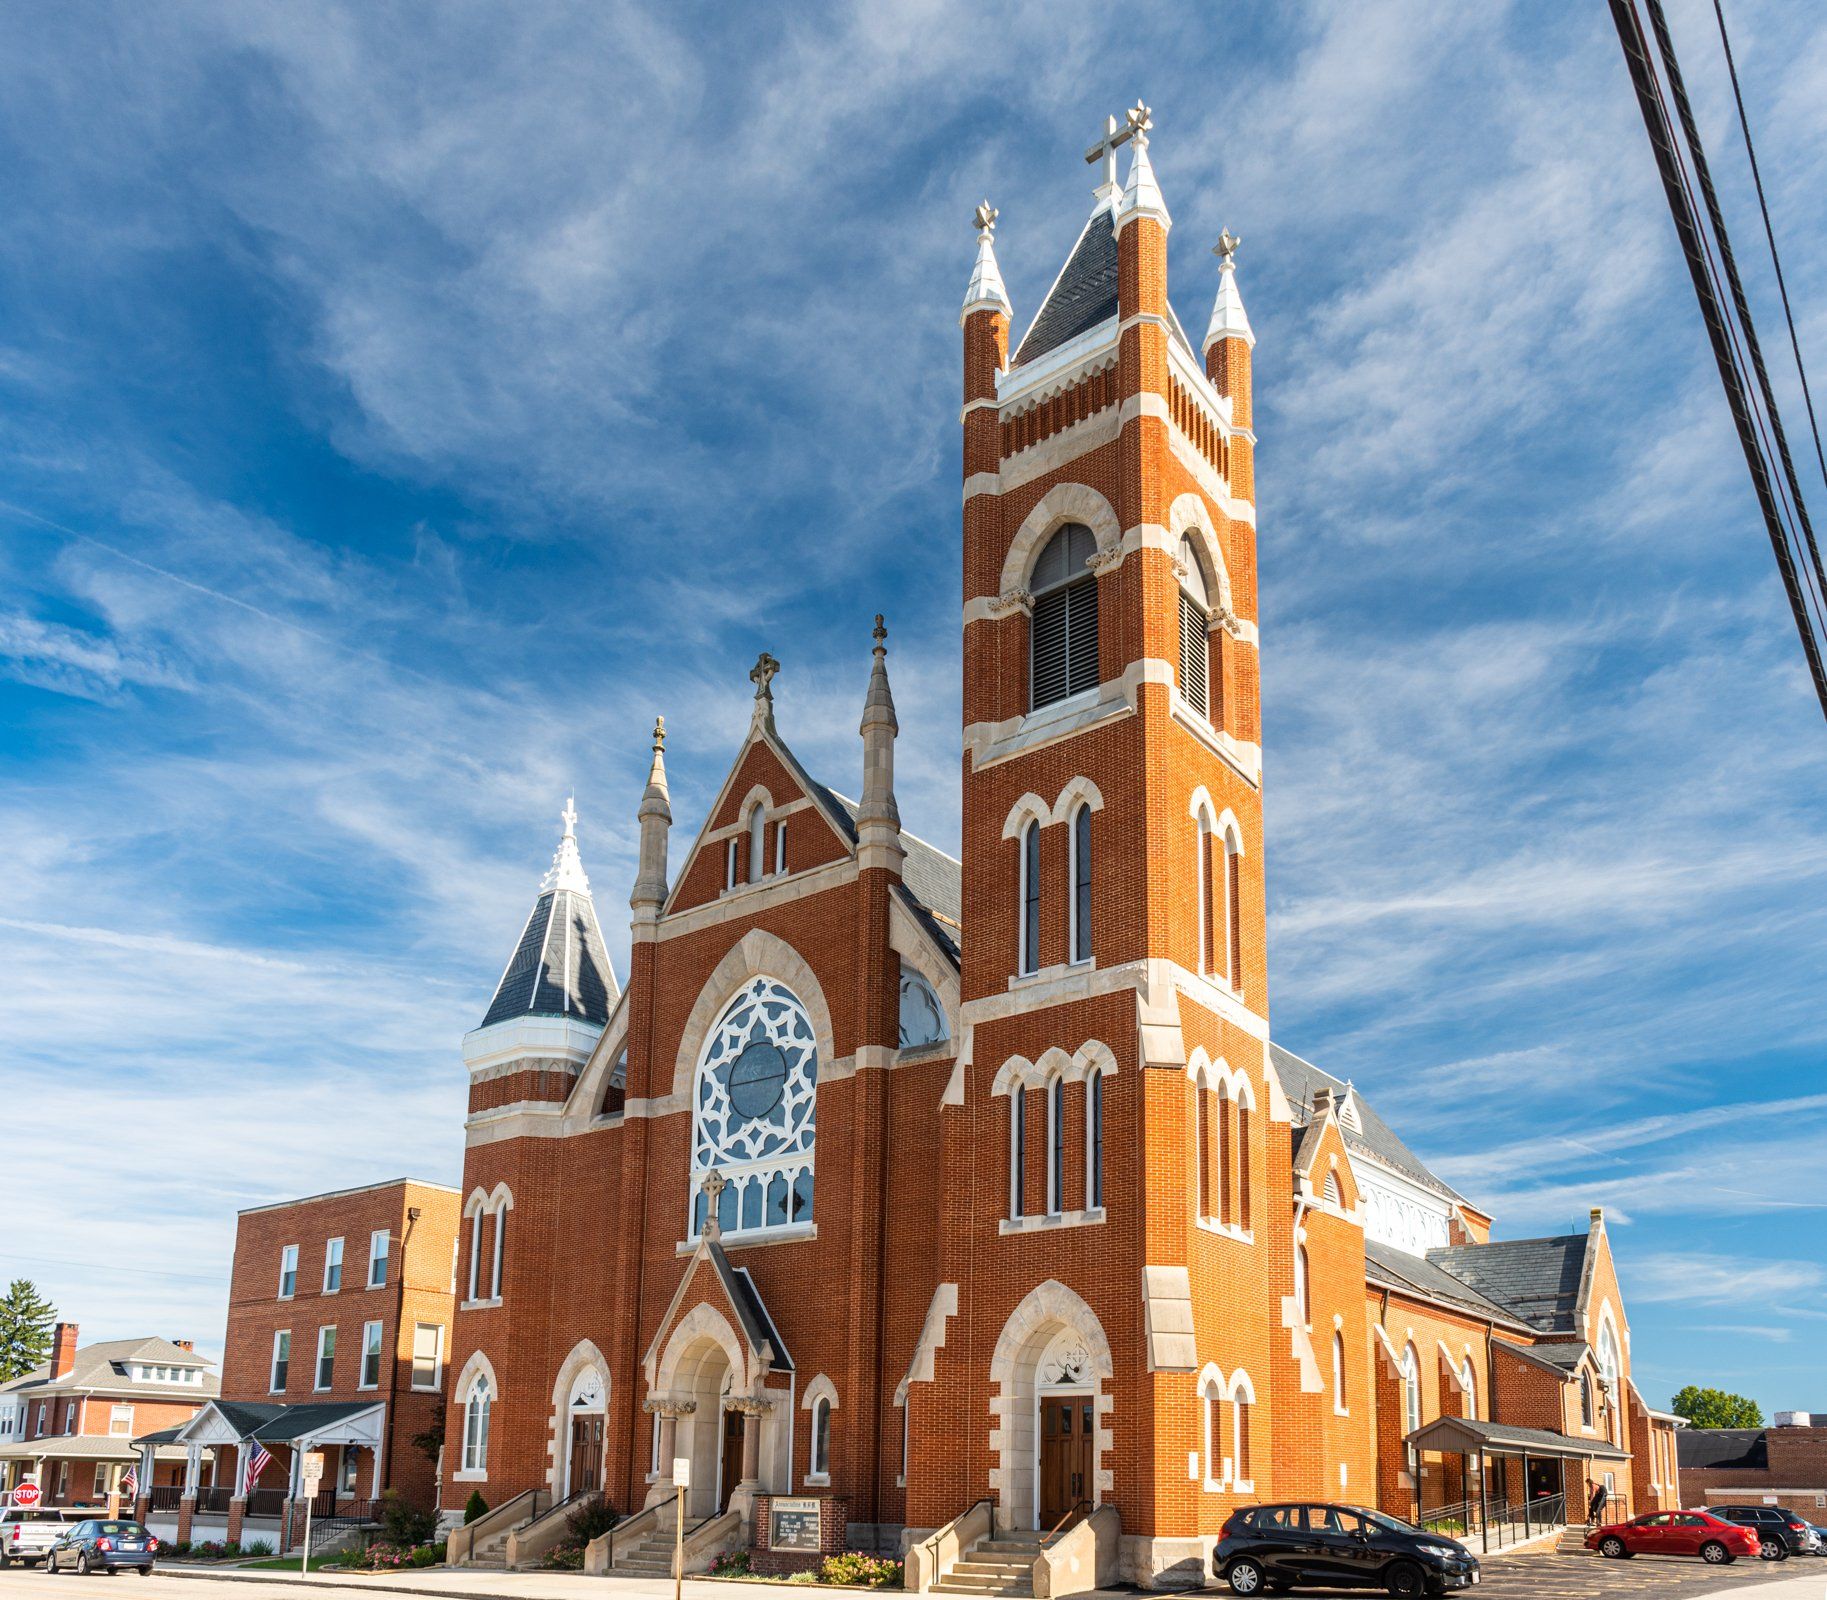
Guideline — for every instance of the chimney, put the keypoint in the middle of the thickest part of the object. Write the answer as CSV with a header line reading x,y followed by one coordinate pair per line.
x,y
63,1348
186,1345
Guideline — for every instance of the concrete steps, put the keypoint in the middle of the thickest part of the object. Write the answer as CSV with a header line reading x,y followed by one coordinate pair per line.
x,y
1000,1565
651,1558
1573,1539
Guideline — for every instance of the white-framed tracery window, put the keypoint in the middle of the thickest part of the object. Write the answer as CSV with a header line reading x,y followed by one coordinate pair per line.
x,y
922,1016
754,1104
758,842
1063,628
819,1470
1195,620
1028,955
476,1406
1079,908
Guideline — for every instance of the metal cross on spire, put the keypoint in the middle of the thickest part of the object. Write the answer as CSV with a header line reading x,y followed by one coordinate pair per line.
x,y
986,218
1116,135
570,816
762,675
880,635
1226,248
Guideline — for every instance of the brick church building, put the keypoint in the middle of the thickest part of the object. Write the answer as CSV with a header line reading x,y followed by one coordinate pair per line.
x,y
974,1196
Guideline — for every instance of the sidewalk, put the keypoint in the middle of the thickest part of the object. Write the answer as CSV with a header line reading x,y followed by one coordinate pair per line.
x,y
474,1583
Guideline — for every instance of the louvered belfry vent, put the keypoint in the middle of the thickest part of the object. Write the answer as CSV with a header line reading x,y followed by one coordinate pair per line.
x,y
1192,655
1064,630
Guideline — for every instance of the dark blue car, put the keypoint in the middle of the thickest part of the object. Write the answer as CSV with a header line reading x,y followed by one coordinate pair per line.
x,y
1273,1549
103,1545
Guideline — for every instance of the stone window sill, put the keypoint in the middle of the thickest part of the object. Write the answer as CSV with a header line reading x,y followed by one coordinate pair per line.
x,y
790,1234
818,1479
480,1305
1227,1230
469,1476
1053,1219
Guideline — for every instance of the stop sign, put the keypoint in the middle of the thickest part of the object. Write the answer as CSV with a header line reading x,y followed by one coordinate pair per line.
x,y
27,1494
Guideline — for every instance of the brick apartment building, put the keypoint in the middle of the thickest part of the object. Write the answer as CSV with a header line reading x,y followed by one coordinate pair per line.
x,y
69,1425
339,1320
914,1185
1785,1464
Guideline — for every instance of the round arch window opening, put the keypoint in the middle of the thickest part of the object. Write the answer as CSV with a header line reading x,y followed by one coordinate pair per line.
x,y
757,1080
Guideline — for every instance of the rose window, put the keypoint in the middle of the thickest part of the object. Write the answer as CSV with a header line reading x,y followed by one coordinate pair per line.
x,y
756,1097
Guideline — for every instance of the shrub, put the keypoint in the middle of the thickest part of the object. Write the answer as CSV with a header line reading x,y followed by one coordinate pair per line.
x,y
474,1507
589,1519
429,1555
567,1557
257,1547
860,1570
405,1524
732,1564
178,1547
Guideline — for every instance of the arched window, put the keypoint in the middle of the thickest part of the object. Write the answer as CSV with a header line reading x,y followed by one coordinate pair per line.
x,y
1094,1137
1195,612
1233,901
922,1017
758,841
780,846
1207,932
1303,1285
1225,1208
1585,1400
475,1424
1018,1151
1242,1403
1242,1218
1063,649
1211,1397
501,1216
821,1439
1411,1390
1056,1147
1081,883
755,1104
1030,897
475,1250
1203,1145
1340,1401
1468,1381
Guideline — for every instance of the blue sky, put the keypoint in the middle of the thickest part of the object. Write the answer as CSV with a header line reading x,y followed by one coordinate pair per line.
x,y
401,404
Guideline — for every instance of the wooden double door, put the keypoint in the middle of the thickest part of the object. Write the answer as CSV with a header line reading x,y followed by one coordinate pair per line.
x,y
1067,1432
586,1455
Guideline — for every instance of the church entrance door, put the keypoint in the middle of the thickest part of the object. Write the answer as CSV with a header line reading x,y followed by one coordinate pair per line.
x,y
730,1458
1066,1435
586,1473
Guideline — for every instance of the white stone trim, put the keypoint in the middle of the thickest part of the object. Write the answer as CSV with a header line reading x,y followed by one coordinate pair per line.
x,y
759,954
1063,503
583,1356
1020,1073
1029,807
1041,1222
939,1313
1055,985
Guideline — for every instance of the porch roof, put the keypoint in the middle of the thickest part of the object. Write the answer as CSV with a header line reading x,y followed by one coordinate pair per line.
x,y
82,1447
1468,1435
270,1423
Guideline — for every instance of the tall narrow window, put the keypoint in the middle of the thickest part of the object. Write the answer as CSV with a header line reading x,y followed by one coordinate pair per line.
x,y
1468,1380
1411,1389
780,846
370,1377
1202,1143
1585,1400
1303,1286
1243,1166
1018,1151
1206,939
1081,884
1240,1422
288,1272
475,1252
427,1355
282,1361
1233,895
326,1358
1226,1211
475,1425
729,864
1094,1114
821,1439
758,842
501,1216
1339,1402
1195,609
1063,634
1030,897
1213,1396
333,1265
1056,1146
379,1243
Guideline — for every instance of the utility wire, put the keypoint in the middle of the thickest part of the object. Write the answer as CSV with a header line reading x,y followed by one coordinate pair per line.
x,y
1776,259
1690,128
1682,210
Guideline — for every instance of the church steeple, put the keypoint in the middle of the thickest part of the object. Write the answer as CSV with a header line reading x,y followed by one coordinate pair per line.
x,y
1142,196
985,291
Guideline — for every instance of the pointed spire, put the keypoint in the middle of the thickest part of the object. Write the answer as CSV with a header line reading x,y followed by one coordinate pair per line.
x,y
985,292
655,818
1229,320
567,869
878,818
1141,194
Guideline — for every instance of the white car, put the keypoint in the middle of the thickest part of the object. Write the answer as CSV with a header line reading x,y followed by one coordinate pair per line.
x,y
28,1532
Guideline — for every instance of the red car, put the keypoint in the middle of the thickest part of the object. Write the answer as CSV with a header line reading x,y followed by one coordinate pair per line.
x,y
1676,1533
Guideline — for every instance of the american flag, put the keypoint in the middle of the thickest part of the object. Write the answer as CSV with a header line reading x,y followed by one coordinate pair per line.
x,y
130,1481
256,1464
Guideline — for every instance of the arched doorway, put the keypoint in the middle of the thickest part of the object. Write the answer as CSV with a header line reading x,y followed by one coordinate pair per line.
x,y
1050,1371
583,1435
702,1378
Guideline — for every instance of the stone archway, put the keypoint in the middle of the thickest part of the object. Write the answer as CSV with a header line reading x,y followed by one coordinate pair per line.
x,y
1052,1350
698,1374
580,1406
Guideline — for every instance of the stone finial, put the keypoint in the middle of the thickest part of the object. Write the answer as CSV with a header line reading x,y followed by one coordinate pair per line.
x,y
762,675
986,291
567,869
655,819
713,1186
878,817
1142,195
1229,320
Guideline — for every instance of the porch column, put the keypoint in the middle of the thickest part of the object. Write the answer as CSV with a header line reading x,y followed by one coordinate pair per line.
x,y
374,1482
668,1409
238,1489
742,1497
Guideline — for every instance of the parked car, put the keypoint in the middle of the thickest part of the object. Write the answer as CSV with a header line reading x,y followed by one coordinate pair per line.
x,y
104,1544
1783,1533
1676,1533
1274,1549
27,1532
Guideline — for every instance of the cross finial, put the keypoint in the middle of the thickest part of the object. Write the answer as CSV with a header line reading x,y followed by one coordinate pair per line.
x,y
714,1184
986,218
570,816
762,675
1226,248
659,734
880,636
1140,121
1115,134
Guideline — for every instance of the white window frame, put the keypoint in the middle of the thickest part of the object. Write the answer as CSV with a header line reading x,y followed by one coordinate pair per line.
x,y
475,1251
371,1349
729,863
318,1386
1096,1132
1303,1282
1243,1403
818,1467
275,1384
758,842
333,1263
476,1406
1211,1410
1056,1146
115,1416
1027,937
1077,859
1018,1150
288,1268
780,847
380,1252
1339,1406
437,1357
500,1241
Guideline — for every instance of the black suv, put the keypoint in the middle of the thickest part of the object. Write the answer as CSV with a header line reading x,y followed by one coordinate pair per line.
x,y
1783,1533
1274,1548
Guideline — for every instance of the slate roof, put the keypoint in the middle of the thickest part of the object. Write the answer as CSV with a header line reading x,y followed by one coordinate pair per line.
x,y
1564,1356
1387,1266
1083,295
1373,1135
754,1309
103,1365
1538,1279
560,968
1745,1448
278,1424
934,882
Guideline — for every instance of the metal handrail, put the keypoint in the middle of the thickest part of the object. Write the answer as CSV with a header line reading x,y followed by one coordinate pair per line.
x,y
939,1533
610,1535
1071,1512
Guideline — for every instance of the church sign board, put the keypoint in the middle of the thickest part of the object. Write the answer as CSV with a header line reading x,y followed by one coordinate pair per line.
x,y
794,1524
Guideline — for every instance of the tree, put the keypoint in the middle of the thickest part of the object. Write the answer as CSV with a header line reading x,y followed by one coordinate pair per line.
x,y
26,1318
1714,1408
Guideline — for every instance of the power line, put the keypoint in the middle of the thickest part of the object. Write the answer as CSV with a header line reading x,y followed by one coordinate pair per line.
x,y
1721,332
